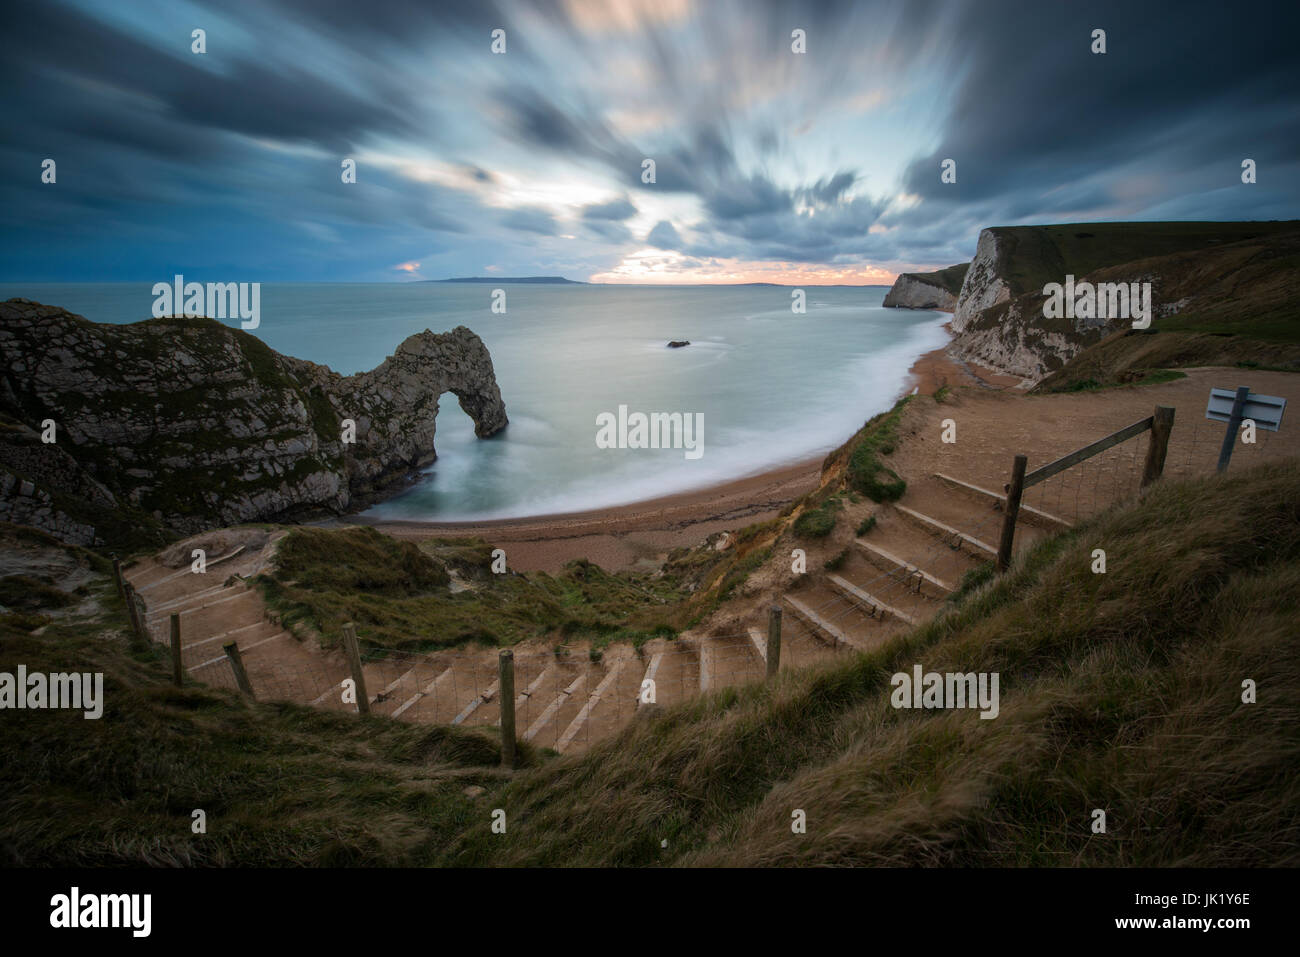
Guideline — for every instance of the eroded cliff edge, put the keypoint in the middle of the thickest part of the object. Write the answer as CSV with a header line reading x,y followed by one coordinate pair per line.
x,y
170,426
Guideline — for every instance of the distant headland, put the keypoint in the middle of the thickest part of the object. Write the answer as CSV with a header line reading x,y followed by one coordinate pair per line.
x,y
538,280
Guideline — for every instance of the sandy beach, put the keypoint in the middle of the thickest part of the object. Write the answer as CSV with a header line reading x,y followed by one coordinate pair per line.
x,y
643,533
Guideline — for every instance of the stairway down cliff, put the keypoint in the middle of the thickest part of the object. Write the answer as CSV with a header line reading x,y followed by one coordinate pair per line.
x,y
136,433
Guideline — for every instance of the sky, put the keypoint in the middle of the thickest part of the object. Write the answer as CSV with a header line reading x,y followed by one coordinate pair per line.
x,y
770,165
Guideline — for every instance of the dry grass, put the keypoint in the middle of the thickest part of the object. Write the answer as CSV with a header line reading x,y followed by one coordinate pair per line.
x,y
1120,691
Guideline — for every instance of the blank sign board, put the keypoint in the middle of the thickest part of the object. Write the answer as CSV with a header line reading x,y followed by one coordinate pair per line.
x,y
1265,410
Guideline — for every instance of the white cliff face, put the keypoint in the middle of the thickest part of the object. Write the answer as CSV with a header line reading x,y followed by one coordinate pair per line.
x,y
983,286
1016,339
911,292
1015,346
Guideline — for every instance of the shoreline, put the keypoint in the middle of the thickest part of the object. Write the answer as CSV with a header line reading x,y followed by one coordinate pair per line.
x,y
641,534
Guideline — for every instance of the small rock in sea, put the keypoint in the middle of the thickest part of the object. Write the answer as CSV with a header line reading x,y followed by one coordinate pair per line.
x,y
678,343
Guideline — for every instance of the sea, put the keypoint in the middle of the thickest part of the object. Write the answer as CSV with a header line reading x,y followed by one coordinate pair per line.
x,y
773,386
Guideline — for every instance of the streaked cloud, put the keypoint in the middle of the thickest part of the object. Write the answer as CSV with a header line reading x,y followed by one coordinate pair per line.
x,y
767,163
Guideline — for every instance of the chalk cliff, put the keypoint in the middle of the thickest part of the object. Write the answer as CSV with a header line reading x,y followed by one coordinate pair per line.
x,y
927,290
170,426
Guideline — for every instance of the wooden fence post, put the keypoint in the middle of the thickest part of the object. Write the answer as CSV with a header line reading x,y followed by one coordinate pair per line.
x,y
237,666
177,671
506,684
353,649
1234,423
139,627
1162,423
1014,491
773,640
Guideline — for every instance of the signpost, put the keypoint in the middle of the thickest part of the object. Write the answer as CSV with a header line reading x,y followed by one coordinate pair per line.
x,y
1235,407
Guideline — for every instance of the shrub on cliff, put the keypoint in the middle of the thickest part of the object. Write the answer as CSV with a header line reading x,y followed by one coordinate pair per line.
x,y
866,473
820,521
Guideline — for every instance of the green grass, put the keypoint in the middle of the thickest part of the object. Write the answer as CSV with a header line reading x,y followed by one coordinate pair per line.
x,y
1157,376
819,521
949,278
836,562
1265,367
398,595
866,525
973,580
866,473
1043,254
356,559
1138,377
26,593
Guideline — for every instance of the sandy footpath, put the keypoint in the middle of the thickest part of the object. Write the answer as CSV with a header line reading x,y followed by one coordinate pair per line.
x,y
642,534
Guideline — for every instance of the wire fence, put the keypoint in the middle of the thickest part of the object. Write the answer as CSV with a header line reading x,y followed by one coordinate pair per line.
x,y
1115,475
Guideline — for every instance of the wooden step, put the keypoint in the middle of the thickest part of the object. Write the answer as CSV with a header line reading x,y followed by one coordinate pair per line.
x,y
878,608
929,585
580,720
242,651
534,686
386,694
187,645
479,700
707,664
188,570
949,534
549,714
1033,515
440,681
837,636
162,608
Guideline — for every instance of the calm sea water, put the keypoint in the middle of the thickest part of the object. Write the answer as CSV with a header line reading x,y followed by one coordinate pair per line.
x,y
774,387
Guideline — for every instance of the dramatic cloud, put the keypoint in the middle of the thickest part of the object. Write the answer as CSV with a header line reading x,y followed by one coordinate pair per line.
x,y
765,162
664,236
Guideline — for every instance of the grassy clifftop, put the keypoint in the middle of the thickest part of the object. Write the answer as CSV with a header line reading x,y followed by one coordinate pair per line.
x,y
949,278
1233,304
1119,691
1220,293
1037,255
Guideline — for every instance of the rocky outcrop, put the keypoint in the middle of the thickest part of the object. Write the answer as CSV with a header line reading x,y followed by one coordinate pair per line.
x,y
927,290
1210,270
171,426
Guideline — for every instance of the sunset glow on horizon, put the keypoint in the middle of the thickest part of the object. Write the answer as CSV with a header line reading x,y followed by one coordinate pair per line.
x,y
657,267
